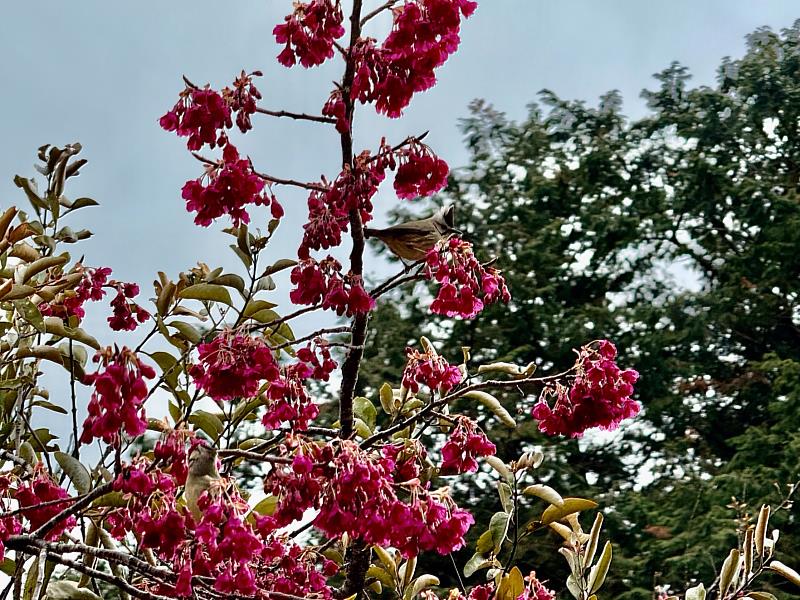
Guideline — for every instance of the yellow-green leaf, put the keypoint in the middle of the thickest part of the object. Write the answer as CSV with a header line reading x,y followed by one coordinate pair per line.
x,y
207,292
571,505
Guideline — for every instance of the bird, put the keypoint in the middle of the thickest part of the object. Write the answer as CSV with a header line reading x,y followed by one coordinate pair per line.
x,y
412,240
202,475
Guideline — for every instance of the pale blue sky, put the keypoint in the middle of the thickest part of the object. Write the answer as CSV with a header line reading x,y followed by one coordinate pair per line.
x,y
102,72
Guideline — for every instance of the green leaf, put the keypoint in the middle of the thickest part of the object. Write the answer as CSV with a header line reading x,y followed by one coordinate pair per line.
x,y
8,567
169,367
571,505
511,586
208,423
45,404
29,187
111,500
77,473
265,507
545,492
696,593
207,292
420,584
498,526
187,331
364,410
597,575
231,280
493,404
279,265
387,399
780,568
83,202
30,313
254,306
28,454
478,562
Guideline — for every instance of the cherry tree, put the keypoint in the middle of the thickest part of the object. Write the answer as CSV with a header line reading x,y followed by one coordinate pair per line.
x,y
172,521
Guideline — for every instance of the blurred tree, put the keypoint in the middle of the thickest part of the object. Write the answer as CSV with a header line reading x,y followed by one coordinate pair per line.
x,y
678,237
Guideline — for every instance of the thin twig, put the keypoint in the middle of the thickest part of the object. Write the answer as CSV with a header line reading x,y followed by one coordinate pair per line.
x,y
296,116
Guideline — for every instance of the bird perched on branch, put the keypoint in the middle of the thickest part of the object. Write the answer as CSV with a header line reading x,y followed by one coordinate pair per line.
x,y
202,475
412,240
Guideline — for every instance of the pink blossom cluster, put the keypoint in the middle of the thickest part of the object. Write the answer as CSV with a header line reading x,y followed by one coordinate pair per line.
x,y
34,495
424,35
242,99
235,555
289,398
429,369
322,283
310,32
465,442
354,492
353,189
9,525
599,396
119,393
234,365
335,109
227,187
127,314
420,173
466,286
202,115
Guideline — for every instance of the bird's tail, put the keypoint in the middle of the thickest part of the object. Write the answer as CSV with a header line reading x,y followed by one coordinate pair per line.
x,y
369,232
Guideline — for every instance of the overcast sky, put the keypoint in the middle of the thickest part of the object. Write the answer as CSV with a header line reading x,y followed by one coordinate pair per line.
x,y
102,73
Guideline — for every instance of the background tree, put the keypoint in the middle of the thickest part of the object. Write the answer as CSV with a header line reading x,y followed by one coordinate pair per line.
x,y
677,233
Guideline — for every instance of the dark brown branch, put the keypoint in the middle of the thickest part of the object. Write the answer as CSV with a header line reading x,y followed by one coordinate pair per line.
x,y
311,336
296,116
278,460
276,180
388,4
29,545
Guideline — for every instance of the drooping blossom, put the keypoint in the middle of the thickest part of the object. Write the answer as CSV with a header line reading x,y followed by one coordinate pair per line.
x,y
420,173
242,99
127,314
323,283
465,442
424,35
354,493
599,395
429,369
116,404
234,365
335,109
41,489
202,115
226,188
352,190
310,32
466,286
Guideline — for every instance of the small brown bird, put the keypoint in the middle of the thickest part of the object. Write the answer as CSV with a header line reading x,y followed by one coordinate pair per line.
x,y
412,240
202,475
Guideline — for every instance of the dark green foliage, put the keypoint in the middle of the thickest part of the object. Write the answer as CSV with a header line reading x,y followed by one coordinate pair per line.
x,y
678,237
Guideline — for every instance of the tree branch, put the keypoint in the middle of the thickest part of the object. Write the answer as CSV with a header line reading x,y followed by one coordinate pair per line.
x,y
296,116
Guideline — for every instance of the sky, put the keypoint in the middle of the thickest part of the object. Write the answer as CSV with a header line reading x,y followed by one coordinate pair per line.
x,y
102,73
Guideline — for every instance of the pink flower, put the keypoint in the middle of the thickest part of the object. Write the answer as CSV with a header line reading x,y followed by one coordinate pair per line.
x,y
233,365
600,395
323,283
465,443
201,115
40,490
429,369
116,404
309,32
127,314
425,34
466,285
226,188
420,174
242,99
